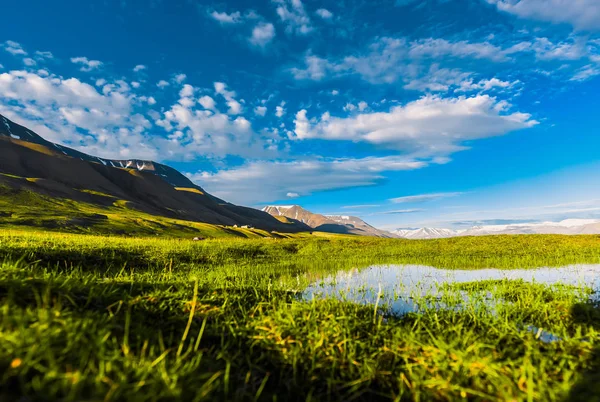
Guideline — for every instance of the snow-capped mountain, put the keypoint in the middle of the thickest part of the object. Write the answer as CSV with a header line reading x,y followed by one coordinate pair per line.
x,y
425,233
567,227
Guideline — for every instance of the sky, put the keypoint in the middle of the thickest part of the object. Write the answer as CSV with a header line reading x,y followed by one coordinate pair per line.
x,y
445,113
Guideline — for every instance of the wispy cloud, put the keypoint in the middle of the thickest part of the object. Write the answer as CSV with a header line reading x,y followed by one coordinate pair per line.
x,y
398,212
86,64
422,198
361,206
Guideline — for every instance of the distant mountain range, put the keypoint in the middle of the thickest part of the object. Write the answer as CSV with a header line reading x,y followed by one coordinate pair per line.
x,y
342,224
567,227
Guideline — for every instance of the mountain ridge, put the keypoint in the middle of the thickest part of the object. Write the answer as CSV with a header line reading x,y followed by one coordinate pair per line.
x,y
343,224
565,226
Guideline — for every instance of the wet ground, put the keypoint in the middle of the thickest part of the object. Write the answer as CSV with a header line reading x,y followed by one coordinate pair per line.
x,y
397,286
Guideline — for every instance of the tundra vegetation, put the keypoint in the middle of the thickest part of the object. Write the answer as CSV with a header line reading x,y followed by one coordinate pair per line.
x,y
97,317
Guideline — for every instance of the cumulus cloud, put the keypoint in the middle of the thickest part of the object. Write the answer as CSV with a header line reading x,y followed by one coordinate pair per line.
x,y
324,13
582,14
430,126
260,110
235,107
414,199
207,102
139,67
86,64
273,178
224,18
294,16
162,84
179,78
262,34
209,132
73,113
29,62
280,110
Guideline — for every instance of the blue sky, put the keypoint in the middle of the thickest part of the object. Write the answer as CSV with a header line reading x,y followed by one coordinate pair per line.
x,y
438,112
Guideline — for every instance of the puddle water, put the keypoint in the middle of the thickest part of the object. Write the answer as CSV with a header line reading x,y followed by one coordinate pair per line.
x,y
395,286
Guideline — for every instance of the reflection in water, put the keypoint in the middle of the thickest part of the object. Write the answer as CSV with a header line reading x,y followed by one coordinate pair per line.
x,y
397,286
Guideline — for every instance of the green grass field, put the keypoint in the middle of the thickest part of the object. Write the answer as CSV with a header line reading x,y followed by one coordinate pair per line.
x,y
97,318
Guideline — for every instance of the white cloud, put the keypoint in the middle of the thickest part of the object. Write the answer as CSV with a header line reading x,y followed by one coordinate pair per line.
x,y
14,48
29,62
582,14
388,60
262,34
187,91
224,18
398,212
437,48
279,111
349,107
134,84
179,78
360,206
430,126
437,79
162,84
273,178
362,106
391,59
547,50
86,64
335,92
74,113
292,195
139,67
235,107
316,68
414,199
207,102
208,132
294,16
586,72
485,85
260,110
44,55
324,13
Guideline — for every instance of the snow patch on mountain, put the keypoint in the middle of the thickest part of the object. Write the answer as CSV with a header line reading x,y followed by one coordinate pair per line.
x,y
567,227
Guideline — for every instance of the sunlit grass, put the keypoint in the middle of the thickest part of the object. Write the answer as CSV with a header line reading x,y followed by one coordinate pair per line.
x,y
87,317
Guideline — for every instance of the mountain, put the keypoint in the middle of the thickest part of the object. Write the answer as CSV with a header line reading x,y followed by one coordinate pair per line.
x,y
326,223
424,233
29,164
566,227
